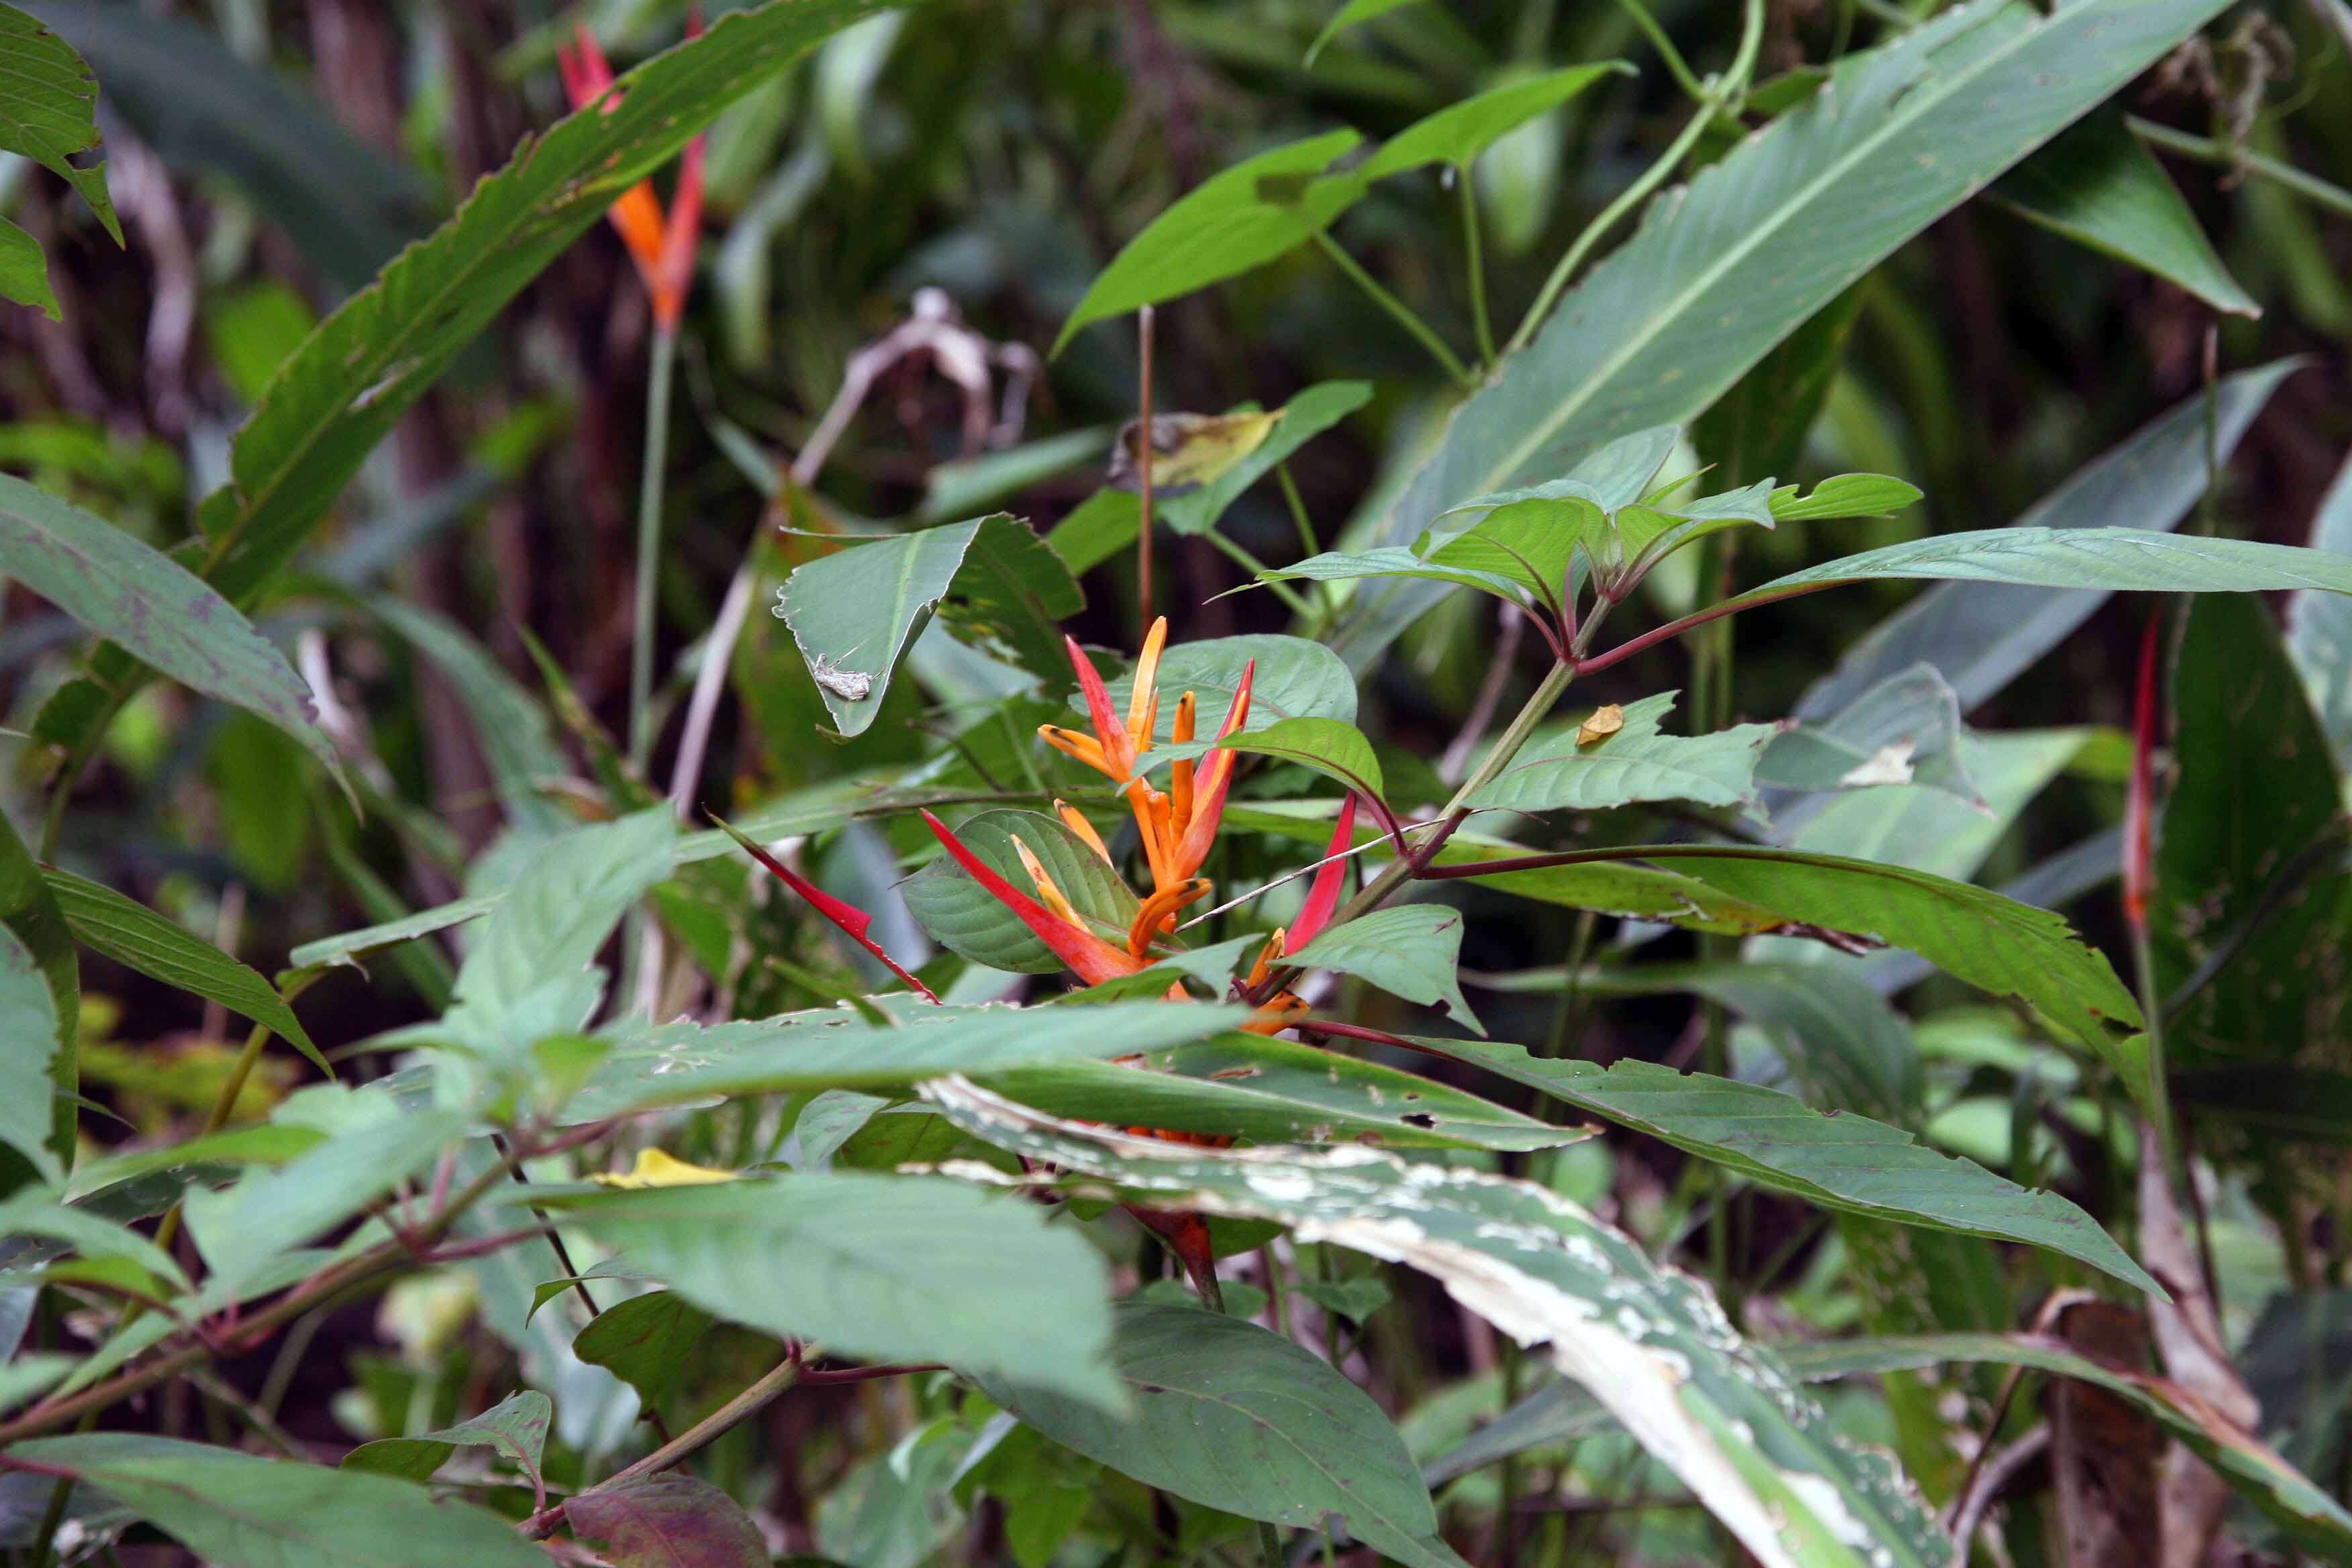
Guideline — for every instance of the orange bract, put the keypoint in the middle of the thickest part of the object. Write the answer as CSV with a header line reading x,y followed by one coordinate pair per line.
x,y
662,245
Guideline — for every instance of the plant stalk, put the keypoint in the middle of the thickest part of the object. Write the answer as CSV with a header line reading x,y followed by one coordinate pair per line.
x,y
660,372
1397,308
1471,248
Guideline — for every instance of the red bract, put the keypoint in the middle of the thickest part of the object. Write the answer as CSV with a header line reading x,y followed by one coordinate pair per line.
x,y
1092,959
853,922
662,247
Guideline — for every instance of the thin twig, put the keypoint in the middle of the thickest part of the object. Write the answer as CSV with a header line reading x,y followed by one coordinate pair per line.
x,y
1143,455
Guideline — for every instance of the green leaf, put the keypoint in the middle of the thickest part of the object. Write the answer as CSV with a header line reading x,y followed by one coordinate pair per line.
x,y
669,1520
834,1049
2319,626
856,612
2100,186
881,1267
1709,283
1459,132
146,602
1232,1416
1980,636
1354,1299
48,110
2255,785
1932,829
1295,678
1274,1091
1213,966
1846,1162
28,1052
348,946
1839,1038
347,203
1760,426
2133,559
516,1428
1635,763
645,1342
1844,495
136,936
1230,223
241,1230
24,271
1332,747
227,1507
1561,1413
965,918
1904,729
1411,951
1649,1341
527,972
1354,13
31,1212
1303,418
266,1143
1096,529
2005,947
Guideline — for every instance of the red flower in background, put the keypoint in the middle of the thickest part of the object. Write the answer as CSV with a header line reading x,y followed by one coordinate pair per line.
x,y
661,245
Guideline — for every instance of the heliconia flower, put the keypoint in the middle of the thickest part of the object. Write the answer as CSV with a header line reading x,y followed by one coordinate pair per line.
x,y
853,921
1091,958
662,247
1284,1008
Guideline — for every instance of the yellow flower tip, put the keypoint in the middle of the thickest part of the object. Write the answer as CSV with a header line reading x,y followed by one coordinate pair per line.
x,y
1187,713
656,1169
1278,1015
1075,821
1079,748
1043,882
1140,702
1148,824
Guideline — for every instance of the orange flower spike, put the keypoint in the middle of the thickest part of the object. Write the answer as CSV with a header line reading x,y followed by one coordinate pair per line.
x,y
673,272
1159,909
1208,792
1075,821
1092,959
1180,785
1148,826
1142,703
1323,897
1117,747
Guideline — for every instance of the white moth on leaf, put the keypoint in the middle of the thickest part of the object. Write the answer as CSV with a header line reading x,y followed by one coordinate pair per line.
x,y
849,685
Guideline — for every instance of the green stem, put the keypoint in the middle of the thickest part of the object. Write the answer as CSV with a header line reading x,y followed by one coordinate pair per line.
x,y
1470,245
1668,55
1733,86
2159,1091
1258,568
1269,1545
2235,155
1397,308
659,374
1297,505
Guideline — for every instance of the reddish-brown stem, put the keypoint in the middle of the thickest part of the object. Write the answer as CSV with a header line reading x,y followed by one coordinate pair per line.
x,y
868,1374
1631,645
1143,468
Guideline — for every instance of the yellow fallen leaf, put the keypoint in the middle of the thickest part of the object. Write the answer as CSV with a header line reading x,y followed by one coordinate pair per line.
x,y
1189,450
1604,723
656,1169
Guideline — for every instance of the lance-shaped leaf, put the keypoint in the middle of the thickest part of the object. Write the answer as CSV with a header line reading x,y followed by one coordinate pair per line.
x,y
668,1064
1563,1413
516,1429
1229,223
1564,772
48,112
29,912
1332,747
227,1507
28,1052
2100,186
1980,636
1457,133
876,1266
1723,1413
1231,1416
135,936
122,589
1722,270
1276,1091
1413,951
2319,626
856,612
1354,13
1843,1162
